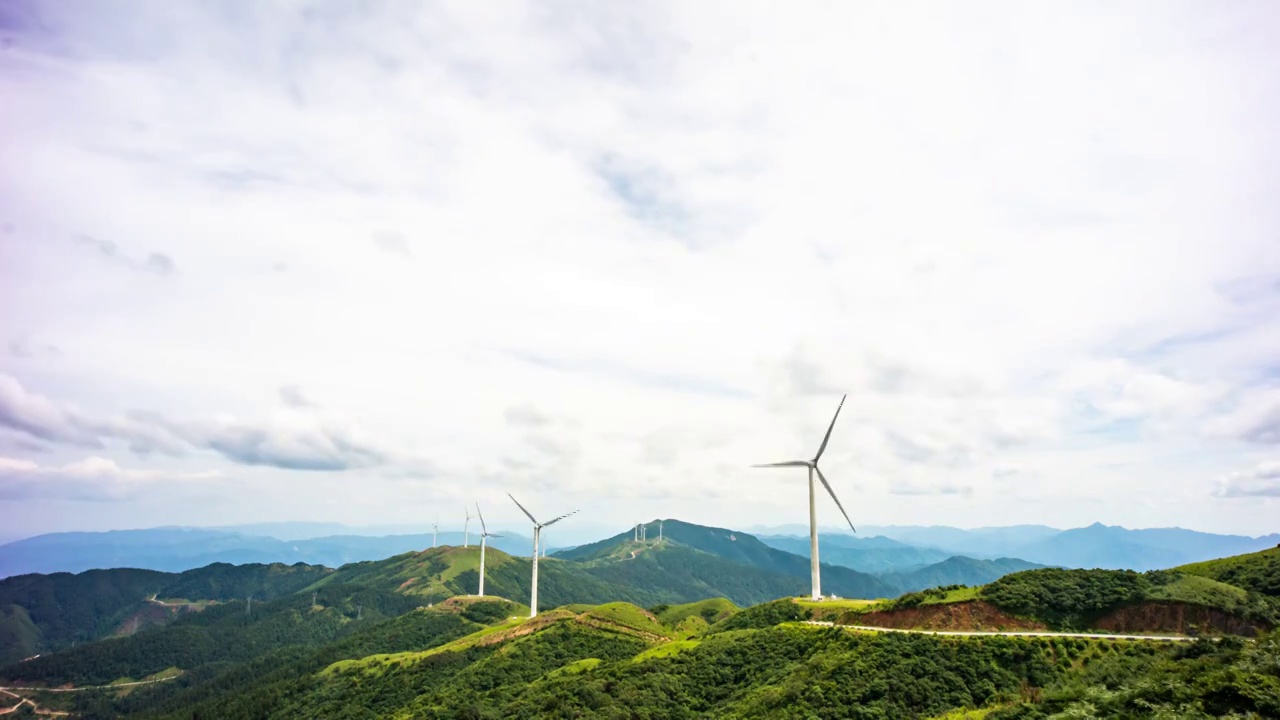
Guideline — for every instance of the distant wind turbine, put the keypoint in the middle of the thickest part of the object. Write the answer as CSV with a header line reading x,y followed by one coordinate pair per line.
x,y
537,533
814,571
484,535
659,532
466,537
435,531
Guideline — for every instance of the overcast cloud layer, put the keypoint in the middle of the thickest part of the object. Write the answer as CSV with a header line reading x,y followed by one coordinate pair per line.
x,y
295,261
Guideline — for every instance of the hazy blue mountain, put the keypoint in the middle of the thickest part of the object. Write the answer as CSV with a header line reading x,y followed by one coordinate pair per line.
x,y
289,531
957,570
178,549
1115,547
870,555
1098,545
986,542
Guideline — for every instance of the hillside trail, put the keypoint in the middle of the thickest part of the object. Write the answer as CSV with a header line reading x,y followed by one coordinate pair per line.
x,y
24,701
1017,633
6,689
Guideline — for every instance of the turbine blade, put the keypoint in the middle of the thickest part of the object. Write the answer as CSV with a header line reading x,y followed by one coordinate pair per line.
x,y
493,535
553,522
830,427
827,485
483,529
789,463
526,512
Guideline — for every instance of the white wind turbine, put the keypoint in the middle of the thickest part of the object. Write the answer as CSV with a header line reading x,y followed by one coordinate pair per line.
x,y
435,531
484,535
466,537
537,533
813,513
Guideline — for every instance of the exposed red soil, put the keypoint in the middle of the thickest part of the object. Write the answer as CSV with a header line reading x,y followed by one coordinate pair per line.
x,y
974,615
1176,618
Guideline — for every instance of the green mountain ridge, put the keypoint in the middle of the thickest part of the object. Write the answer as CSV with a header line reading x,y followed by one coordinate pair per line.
x,y
957,570
42,613
377,643
740,548
1258,571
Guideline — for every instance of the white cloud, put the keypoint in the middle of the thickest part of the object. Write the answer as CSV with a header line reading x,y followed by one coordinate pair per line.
x,y
1263,480
93,479
619,253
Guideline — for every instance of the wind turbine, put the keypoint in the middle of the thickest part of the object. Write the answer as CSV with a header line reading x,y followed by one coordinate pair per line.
x,y
813,512
537,533
466,537
659,532
484,534
435,531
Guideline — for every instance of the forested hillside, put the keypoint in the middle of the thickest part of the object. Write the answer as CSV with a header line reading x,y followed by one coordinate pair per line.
x,y
40,613
1258,571
618,661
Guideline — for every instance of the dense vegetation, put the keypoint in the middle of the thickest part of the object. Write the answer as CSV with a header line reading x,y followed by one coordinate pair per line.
x,y
1208,679
41,613
381,640
1258,571
1073,599
570,668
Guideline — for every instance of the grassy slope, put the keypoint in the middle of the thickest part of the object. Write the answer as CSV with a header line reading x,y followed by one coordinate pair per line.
x,y
567,670
1258,571
1073,599
712,610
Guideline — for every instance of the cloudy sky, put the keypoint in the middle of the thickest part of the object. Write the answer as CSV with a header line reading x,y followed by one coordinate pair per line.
x,y
367,262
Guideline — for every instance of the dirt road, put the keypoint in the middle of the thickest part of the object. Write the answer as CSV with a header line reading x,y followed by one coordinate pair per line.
x,y
1016,633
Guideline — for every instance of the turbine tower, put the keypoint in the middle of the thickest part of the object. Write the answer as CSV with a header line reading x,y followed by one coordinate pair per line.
x,y
466,537
659,532
812,465
484,535
435,531
537,533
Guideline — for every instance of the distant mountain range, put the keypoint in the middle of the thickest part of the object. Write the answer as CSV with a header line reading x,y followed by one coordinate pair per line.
x,y
178,549
1096,546
875,554
891,552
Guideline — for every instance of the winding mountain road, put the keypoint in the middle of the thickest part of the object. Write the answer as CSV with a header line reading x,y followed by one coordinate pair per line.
x,y
1018,633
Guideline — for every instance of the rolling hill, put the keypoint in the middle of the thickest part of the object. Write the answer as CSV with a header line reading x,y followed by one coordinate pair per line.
x,y
741,549
469,658
40,613
1258,571
956,570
